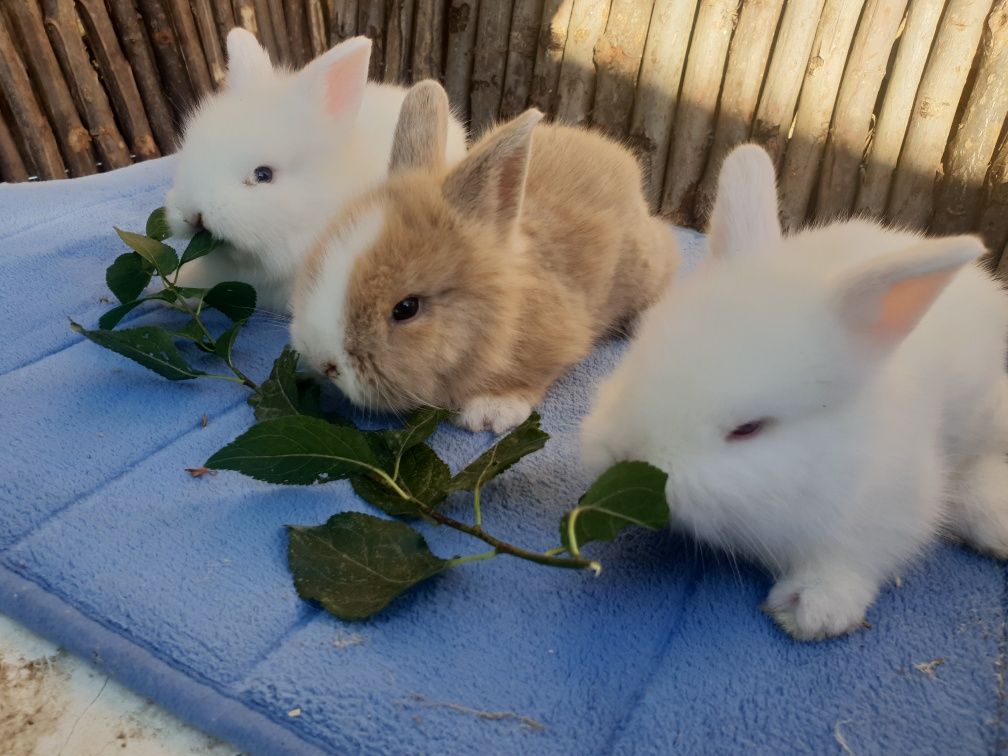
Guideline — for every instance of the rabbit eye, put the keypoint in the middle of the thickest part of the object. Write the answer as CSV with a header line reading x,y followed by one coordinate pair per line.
x,y
746,430
406,309
263,174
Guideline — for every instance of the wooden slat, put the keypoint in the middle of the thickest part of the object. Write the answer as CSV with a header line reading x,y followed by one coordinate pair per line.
x,y
935,108
371,23
246,18
526,20
224,18
280,32
658,90
897,105
75,141
993,225
549,54
398,40
428,39
296,16
747,64
694,122
168,55
815,108
213,53
189,43
265,31
42,150
576,89
958,202
118,78
788,63
618,59
63,29
342,20
317,37
462,17
852,116
12,166
489,61
1002,268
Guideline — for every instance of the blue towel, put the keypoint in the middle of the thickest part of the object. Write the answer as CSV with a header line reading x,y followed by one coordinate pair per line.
x,y
178,586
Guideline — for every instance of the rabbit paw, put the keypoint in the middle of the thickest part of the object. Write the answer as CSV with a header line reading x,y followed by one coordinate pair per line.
x,y
496,413
814,606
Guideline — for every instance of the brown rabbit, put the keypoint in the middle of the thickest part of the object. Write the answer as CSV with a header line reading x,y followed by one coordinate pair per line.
x,y
475,288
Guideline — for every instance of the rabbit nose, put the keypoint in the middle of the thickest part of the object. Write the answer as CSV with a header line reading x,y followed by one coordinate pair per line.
x,y
331,369
196,221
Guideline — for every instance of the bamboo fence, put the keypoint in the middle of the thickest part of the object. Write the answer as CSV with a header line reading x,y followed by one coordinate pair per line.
x,y
889,108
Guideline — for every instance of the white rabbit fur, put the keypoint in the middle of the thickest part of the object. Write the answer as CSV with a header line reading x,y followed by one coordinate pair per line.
x,y
876,359
324,131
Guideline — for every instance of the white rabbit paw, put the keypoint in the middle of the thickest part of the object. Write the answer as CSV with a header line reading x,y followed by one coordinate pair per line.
x,y
496,413
817,606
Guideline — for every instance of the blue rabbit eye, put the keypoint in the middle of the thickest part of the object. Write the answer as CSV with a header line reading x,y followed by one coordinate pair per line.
x,y
263,174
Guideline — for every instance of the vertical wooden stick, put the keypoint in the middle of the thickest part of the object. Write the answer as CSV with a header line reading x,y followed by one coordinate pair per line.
x,y
938,97
694,122
576,90
266,32
658,90
371,23
12,167
189,45
342,20
118,78
815,108
489,60
521,55
42,152
398,41
783,81
296,16
246,18
897,104
224,18
206,26
993,225
169,62
462,18
747,62
428,39
281,34
957,205
74,139
618,59
852,117
317,36
549,54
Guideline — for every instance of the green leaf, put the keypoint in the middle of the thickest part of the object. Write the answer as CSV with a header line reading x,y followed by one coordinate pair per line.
x,y
157,253
128,276
111,319
235,299
297,451
525,439
421,473
201,244
417,429
157,225
151,346
192,332
628,493
286,393
225,342
355,564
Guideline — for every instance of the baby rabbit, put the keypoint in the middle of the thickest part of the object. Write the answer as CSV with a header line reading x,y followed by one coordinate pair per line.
x,y
824,403
473,288
266,162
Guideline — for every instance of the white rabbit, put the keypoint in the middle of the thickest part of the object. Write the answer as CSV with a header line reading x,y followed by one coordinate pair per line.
x,y
825,403
267,162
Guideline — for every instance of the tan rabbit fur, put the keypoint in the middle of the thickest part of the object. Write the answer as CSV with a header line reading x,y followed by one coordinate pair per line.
x,y
521,257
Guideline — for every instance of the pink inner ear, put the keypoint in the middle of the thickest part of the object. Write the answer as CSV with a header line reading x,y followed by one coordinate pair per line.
x,y
345,80
906,302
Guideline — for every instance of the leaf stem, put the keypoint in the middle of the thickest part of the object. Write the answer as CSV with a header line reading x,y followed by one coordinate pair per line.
x,y
477,514
483,555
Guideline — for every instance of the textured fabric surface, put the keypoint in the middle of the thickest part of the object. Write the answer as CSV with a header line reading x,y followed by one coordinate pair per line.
x,y
178,586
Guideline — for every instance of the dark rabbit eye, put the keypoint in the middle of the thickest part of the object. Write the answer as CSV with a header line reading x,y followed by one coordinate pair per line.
x,y
746,430
263,174
406,309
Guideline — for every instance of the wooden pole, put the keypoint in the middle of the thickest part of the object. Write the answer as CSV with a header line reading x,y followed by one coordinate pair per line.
x,y
747,63
935,106
296,16
489,61
118,78
64,33
618,60
265,32
993,225
958,203
189,44
694,122
788,62
74,139
428,40
170,65
576,89
897,105
12,167
398,41
317,37
526,21
549,54
658,90
815,108
342,20
462,17
371,23
852,117
224,17
281,34
213,53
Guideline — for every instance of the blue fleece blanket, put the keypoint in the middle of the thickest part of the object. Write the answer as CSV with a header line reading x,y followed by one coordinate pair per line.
x,y
178,586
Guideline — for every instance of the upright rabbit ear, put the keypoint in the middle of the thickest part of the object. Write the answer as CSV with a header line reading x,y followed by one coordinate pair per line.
x,y
489,183
248,62
744,217
336,79
883,299
421,135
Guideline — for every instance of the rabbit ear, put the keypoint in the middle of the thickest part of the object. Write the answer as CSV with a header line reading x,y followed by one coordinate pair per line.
x,y
336,79
248,62
421,134
883,300
490,182
744,217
